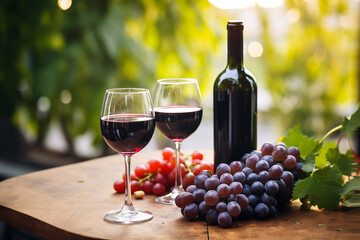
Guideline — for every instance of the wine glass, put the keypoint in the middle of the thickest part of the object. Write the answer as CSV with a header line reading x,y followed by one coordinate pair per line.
x,y
178,113
127,124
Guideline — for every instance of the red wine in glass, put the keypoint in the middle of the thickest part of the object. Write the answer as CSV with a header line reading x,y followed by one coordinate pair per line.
x,y
178,122
127,133
178,113
127,123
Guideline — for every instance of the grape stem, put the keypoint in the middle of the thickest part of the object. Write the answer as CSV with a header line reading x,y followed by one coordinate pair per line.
x,y
330,132
148,176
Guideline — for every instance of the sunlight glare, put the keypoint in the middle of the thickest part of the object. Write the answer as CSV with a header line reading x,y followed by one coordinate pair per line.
x,y
255,49
64,4
269,3
232,4
293,15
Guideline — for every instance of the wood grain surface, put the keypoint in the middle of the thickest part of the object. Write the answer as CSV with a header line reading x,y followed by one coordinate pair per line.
x,y
69,202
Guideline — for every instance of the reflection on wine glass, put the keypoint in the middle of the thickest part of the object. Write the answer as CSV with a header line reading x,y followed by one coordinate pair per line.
x,y
127,124
178,113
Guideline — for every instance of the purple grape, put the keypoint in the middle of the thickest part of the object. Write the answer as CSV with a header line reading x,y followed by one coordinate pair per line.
x,y
275,172
288,178
253,200
280,144
257,153
264,176
240,177
265,198
212,183
242,200
248,213
257,188
246,190
191,189
252,177
203,207
272,211
247,171
281,185
261,210
199,181
220,207
231,197
191,211
205,172
251,162
211,217
267,149
233,208
289,162
262,165
296,175
235,167
271,188
294,151
211,197
184,199
245,156
279,154
226,178
236,188
269,159
222,168
224,219
223,190
199,195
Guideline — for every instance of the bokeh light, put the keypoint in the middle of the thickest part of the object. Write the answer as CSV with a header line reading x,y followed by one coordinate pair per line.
x,y
64,4
255,49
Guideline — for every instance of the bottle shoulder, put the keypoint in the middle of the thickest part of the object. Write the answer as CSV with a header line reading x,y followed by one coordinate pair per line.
x,y
235,77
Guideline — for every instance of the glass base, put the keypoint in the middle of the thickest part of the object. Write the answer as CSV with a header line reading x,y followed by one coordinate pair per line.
x,y
170,198
136,216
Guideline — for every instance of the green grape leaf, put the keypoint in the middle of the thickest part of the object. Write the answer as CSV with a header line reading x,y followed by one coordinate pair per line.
x,y
321,160
349,125
353,184
309,163
305,144
345,162
322,188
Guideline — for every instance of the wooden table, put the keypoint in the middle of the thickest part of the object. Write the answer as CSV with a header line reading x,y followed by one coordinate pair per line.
x,y
68,202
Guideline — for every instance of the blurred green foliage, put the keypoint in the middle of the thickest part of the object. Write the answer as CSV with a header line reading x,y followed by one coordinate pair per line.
x,y
55,65
64,60
312,74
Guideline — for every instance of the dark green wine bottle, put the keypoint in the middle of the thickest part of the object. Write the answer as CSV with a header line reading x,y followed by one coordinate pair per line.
x,y
235,103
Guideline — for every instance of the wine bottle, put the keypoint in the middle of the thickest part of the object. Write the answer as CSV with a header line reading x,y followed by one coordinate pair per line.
x,y
235,103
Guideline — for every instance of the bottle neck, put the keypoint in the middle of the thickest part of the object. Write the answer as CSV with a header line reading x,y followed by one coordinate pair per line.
x,y
235,48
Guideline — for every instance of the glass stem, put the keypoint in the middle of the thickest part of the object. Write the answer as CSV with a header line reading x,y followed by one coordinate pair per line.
x,y
128,201
178,178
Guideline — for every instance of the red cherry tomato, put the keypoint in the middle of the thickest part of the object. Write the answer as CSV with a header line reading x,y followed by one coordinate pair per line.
x,y
197,155
140,171
165,167
153,165
167,153
135,186
119,186
160,178
196,170
206,166
159,189
147,186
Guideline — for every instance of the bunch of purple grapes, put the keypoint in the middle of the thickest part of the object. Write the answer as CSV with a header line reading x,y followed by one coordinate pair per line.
x,y
270,175
256,186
